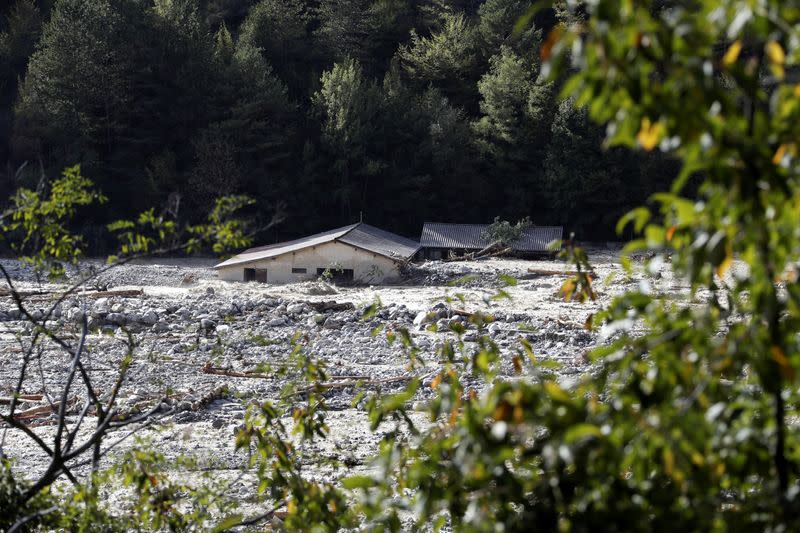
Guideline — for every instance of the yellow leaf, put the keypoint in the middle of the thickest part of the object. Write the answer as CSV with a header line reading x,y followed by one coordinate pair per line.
x,y
556,392
775,53
797,90
786,368
436,381
669,461
501,412
671,233
732,54
726,263
782,151
552,38
649,134
779,154
291,507
519,414
777,57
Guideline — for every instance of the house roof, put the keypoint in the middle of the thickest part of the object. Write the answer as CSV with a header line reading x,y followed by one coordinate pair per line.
x,y
468,237
360,235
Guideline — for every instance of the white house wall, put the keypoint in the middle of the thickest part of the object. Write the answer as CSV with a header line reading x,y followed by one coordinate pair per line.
x,y
367,267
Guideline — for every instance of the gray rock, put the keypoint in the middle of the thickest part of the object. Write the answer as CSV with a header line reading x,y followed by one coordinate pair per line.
x,y
223,329
101,305
333,323
115,318
150,318
217,423
295,309
494,328
207,323
421,318
75,315
275,322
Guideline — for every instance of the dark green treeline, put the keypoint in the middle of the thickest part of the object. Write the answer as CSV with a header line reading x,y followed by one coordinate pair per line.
x,y
400,110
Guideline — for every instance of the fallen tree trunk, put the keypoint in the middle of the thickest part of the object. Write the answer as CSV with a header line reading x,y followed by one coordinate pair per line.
x,y
37,412
546,272
208,368
492,250
22,398
331,305
345,384
467,314
126,293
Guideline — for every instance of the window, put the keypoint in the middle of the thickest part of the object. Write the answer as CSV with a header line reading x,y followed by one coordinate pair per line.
x,y
299,270
338,275
255,274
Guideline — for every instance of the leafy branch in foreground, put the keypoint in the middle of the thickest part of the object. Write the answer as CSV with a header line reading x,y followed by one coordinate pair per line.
x,y
687,420
37,225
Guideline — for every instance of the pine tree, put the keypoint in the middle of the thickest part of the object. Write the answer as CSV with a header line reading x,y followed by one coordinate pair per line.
x,y
514,129
349,105
448,59
344,28
280,30
587,186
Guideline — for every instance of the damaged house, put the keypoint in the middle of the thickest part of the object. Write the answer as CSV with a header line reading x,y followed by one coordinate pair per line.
x,y
354,253
440,240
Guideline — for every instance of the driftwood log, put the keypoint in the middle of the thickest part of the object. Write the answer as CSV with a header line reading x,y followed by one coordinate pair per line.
x,y
493,250
546,272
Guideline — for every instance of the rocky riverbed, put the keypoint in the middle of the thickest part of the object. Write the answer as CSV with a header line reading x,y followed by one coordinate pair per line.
x,y
205,349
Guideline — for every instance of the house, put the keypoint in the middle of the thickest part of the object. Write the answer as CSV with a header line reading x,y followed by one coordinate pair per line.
x,y
438,240
359,252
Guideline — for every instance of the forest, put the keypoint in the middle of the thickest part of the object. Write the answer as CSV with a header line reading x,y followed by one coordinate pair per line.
x,y
326,111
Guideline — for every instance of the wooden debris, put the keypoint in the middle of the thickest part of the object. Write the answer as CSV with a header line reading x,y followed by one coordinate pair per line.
x,y
546,272
128,293
208,368
490,251
347,384
39,412
331,305
22,398
468,315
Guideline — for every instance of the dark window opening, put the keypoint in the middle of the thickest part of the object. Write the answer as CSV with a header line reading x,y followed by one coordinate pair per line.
x,y
338,275
299,270
255,274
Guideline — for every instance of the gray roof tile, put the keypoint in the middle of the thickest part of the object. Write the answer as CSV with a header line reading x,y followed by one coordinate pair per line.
x,y
468,237
360,235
